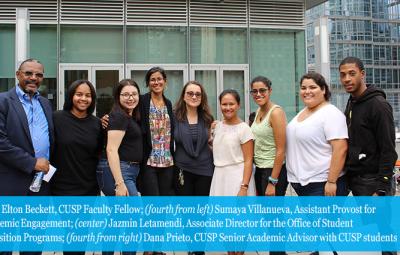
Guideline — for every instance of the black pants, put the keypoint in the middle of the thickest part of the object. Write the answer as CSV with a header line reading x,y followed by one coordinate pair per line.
x,y
366,185
74,253
157,181
194,184
261,178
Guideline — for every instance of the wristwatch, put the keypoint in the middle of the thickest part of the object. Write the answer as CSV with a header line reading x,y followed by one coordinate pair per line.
x,y
380,192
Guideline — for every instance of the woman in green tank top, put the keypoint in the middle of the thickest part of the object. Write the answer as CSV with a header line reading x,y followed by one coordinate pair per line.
x,y
269,129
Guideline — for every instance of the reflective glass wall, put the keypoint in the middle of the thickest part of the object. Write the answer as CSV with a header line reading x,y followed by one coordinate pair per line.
x,y
219,56
369,30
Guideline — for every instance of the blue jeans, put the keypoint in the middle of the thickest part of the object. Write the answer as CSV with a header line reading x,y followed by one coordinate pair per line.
x,y
106,181
318,188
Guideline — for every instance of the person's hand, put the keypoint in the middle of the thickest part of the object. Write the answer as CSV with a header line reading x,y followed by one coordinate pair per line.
x,y
121,190
242,192
42,165
211,135
215,122
104,121
330,189
270,190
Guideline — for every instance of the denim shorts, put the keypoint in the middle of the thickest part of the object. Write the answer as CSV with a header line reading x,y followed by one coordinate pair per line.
x,y
105,179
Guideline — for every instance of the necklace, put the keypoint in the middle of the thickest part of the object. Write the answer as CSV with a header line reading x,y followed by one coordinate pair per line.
x,y
262,113
158,103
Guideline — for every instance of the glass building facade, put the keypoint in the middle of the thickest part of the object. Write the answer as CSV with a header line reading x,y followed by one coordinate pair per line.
x,y
222,44
368,29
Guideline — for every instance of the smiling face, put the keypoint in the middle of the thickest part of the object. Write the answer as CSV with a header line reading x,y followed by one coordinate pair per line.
x,y
157,83
82,98
129,98
311,94
229,107
352,79
193,95
29,76
261,93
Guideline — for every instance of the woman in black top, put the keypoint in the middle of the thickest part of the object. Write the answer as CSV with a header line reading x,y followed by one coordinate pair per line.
x,y
193,156
78,136
117,175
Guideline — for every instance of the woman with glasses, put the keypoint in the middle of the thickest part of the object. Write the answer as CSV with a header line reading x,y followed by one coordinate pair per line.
x,y
118,169
78,136
158,132
193,156
117,175
268,128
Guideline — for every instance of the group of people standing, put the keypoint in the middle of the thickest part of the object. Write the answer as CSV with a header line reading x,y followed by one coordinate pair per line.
x,y
151,146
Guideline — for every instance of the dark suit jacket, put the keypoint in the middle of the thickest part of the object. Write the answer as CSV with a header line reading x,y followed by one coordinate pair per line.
x,y
17,155
144,106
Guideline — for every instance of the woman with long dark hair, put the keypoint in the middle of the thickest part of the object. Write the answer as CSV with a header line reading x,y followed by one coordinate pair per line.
x,y
193,156
158,132
117,175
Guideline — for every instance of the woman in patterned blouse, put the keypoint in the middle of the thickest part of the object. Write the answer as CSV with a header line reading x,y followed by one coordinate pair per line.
x,y
158,129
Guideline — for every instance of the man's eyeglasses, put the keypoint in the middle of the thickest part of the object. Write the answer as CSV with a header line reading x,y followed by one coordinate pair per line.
x,y
262,91
127,95
30,74
191,94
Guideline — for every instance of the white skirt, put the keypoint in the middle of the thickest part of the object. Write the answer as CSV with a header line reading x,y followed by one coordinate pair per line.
x,y
226,181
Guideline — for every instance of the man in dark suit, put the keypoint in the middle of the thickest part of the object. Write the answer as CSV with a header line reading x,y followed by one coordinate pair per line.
x,y
26,132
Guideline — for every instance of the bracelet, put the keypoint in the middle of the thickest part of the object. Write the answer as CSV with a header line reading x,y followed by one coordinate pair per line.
x,y
244,186
272,180
328,181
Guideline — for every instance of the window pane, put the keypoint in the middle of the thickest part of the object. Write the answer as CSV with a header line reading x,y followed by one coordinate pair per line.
x,y
7,51
157,45
208,78
105,82
235,80
48,89
6,84
174,84
44,47
211,45
279,57
91,44
139,77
